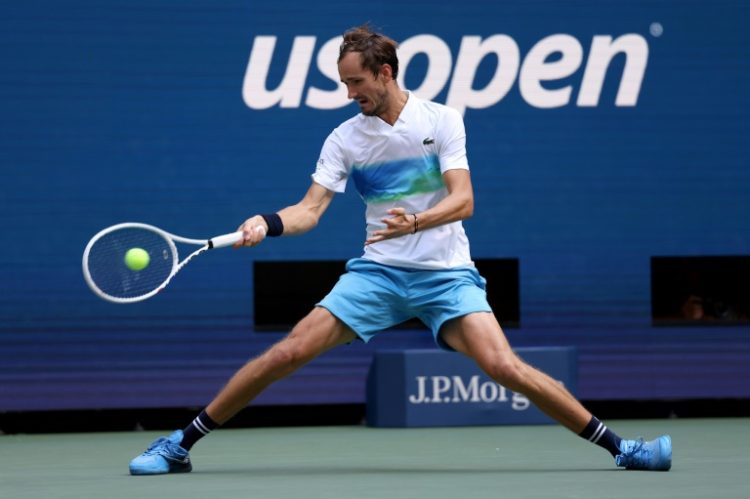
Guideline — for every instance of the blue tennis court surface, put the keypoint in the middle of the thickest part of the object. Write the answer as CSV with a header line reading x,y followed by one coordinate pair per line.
x,y
710,461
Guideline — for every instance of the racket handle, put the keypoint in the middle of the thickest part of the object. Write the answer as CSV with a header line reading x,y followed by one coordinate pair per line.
x,y
225,240
230,239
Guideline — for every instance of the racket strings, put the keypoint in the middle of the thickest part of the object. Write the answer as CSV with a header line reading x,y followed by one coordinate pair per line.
x,y
110,273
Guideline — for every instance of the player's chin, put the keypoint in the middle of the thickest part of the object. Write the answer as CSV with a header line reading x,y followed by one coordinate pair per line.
x,y
366,108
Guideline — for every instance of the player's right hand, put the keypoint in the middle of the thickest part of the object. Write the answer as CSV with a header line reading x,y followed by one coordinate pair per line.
x,y
253,231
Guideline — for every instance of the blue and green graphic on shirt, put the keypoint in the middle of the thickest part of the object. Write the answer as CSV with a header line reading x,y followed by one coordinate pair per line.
x,y
394,180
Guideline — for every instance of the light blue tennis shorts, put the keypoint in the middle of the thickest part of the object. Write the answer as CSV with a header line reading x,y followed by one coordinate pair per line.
x,y
371,297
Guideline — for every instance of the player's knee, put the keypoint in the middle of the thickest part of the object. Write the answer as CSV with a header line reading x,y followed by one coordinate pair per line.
x,y
508,371
287,356
281,355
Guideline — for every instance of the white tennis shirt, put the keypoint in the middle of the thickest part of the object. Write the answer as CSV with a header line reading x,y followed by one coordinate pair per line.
x,y
401,166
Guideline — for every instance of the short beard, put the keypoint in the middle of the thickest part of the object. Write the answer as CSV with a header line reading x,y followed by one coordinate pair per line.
x,y
381,107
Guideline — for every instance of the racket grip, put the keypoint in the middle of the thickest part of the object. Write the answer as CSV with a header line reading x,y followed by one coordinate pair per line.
x,y
225,240
230,239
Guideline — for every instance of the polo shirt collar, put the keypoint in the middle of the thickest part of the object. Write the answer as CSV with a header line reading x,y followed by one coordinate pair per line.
x,y
404,116
408,111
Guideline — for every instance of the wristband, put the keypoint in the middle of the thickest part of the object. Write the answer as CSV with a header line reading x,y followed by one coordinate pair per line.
x,y
275,225
416,223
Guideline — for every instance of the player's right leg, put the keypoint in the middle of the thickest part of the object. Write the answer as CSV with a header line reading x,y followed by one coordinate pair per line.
x,y
318,332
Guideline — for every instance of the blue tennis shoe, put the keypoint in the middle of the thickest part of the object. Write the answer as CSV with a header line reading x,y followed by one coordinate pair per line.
x,y
655,455
164,455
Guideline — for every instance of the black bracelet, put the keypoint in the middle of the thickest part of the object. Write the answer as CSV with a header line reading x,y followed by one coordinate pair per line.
x,y
416,223
275,225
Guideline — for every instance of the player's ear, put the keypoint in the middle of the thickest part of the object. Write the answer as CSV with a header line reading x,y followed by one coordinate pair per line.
x,y
386,72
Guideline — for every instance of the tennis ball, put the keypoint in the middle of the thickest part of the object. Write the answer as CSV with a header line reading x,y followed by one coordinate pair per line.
x,y
137,259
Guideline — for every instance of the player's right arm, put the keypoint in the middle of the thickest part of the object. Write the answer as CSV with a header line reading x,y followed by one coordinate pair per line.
x,y
297,219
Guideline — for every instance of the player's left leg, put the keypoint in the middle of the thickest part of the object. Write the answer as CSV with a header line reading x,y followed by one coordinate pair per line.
x,y
479,336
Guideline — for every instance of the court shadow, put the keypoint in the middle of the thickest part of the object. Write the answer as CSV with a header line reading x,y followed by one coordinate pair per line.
x,y
316,470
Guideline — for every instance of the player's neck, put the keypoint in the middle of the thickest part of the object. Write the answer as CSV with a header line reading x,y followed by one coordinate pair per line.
x,y
396,105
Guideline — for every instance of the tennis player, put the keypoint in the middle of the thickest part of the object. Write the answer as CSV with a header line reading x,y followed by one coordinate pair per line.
x,y
407,159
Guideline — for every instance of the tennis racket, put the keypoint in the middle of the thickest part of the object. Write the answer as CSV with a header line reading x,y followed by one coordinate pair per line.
x,y
109,276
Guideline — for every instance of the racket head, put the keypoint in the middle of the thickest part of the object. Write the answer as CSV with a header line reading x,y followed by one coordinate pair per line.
x,y
108,276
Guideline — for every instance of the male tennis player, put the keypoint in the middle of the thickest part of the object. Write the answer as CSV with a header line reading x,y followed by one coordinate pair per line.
x,y
407,158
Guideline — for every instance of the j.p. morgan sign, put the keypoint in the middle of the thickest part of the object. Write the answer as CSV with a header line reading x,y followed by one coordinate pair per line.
x,y
434,388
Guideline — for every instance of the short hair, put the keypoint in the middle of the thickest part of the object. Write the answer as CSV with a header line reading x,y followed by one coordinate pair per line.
x,y
375,49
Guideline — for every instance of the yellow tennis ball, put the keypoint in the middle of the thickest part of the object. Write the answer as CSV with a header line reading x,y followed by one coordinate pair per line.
x,y
137,259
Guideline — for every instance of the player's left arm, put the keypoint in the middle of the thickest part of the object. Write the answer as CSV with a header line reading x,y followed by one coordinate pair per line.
x,y
450,138
457,205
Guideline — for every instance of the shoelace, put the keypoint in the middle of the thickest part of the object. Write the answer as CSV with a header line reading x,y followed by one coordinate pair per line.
x,y
153,448
631,454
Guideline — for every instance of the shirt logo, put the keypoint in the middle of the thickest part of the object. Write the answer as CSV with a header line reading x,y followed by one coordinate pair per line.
x,y
428,141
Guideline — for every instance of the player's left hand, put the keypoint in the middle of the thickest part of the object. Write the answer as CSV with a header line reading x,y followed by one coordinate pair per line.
x,y
399,224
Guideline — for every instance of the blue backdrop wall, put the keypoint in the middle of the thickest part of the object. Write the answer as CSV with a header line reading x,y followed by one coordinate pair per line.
x,y
600,134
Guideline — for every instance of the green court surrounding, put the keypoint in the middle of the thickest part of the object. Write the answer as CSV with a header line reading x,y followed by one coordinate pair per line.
x,y
711,460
